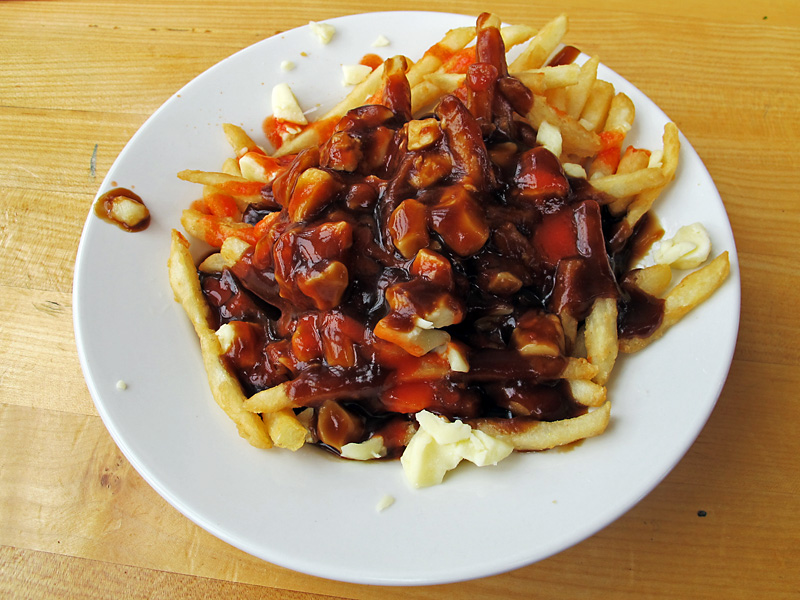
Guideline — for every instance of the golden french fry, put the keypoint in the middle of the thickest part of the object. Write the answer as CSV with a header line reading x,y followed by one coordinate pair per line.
x,y
628,184
541,80
239,140
600,337
576,140
514,35
224,183
543,435
232,250
578,94
669,164
595,111
424,95
453,41
569,325
653,280
557,98
692,291
231,167
541,46
270,400
632,160
579,368
224,386
285,429
621,114
587,393
214,263
444,82
205,227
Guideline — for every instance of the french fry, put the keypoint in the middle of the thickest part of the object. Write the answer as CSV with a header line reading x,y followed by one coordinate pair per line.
x,y
601,337
514,35
285,429
579,368
653,280
623,185
576,139
595,111
541,80
272,399
239,140
541,46
587,393
232,185
621,114
632,160
669,164
453,41
692,291
213,263
543,435
224,387
578,94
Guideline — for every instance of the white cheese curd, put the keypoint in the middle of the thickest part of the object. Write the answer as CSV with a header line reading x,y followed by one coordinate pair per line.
x,y
574,170
285,106
323,31
550,137
439,446
688,248
381,41
384,503
367,450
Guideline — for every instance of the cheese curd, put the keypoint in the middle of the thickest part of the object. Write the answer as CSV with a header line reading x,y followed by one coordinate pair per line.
x,y
323,31
439,446
688,248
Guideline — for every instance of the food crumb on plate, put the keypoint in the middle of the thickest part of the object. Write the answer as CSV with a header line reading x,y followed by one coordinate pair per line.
x,y
384,503
121,385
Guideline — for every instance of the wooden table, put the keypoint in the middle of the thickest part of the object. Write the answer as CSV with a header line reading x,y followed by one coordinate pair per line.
x,y
76,521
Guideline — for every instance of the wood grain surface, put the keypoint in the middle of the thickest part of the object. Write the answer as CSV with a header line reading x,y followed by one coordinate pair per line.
x,y
77,79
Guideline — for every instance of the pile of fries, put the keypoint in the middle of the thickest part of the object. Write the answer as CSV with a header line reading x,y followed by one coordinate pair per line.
x,y
415,156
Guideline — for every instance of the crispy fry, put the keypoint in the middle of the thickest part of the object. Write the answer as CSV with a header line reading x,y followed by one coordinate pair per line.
x,y
224,386
692,291
239,140
453,41
285,429
669,164
633,160
541,80
543,435
653,280
623,185
587,393
232,185
578,94
541,45
601,337
270,400
579,368
577,140
595,111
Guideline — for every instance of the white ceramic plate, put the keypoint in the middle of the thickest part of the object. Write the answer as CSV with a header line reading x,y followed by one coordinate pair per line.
x,y
309,511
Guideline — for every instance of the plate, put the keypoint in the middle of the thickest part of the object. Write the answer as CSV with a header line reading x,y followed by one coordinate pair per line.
x,y
312,512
